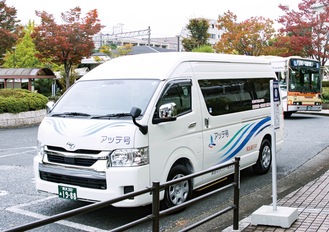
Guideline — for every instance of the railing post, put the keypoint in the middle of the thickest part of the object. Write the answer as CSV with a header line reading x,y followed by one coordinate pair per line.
x,y
156,206
236,193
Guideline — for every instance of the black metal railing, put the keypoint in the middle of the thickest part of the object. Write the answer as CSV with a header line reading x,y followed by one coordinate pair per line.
x,y
156,214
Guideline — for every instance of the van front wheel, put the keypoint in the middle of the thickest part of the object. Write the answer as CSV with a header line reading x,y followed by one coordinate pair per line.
x,y
264,159
180,192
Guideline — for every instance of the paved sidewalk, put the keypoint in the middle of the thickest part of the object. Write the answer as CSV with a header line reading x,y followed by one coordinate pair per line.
x,y
312,202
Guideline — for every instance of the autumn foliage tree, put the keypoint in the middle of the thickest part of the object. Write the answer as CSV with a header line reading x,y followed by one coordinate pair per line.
x,y
249,37
306,29
69,42
8,27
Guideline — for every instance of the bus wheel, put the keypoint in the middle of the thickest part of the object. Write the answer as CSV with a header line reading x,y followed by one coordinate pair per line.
x,y
287,114
264,159
180,192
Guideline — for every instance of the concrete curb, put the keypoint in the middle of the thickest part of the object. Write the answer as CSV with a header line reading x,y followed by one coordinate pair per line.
x,y
23,119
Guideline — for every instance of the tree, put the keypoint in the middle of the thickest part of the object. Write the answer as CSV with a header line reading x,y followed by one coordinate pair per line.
x,y
306,29
106,50
122,50
24,55
204,48
69,42
9,27
249,37
198,28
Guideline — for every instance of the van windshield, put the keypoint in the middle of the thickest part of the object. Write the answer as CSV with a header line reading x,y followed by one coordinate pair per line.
x,y
105,97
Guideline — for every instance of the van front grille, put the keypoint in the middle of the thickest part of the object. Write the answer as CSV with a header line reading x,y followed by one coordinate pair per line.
x,y
73,180
71,160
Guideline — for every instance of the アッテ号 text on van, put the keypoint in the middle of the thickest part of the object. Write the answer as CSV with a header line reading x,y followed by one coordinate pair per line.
x,y
156,117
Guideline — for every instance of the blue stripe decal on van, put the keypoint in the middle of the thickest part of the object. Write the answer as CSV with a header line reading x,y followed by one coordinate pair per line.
x,y
238,140
254,130
231,140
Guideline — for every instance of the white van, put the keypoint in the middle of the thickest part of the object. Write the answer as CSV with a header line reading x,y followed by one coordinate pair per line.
x,y
156,117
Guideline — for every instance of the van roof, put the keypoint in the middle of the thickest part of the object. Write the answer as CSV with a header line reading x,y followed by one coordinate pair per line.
x,y
160,65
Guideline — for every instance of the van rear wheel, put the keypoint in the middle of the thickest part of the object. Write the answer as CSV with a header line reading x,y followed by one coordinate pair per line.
x,y
264,159
180,192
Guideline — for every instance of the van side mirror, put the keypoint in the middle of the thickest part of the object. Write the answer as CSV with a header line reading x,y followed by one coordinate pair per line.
x,y
168,110
136,112
49,106
167,113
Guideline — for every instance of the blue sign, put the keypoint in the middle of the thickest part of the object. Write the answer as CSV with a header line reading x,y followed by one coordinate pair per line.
x,y
276,93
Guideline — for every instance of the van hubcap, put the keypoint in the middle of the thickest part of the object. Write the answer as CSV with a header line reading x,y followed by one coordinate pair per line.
x,y
178,193
266,157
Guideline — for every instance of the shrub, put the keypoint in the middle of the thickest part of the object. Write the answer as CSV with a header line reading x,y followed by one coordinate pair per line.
x,y
204,48
325,84
21,100
325,94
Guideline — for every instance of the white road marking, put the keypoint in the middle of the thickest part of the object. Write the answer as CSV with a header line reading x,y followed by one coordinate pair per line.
x,y
17,209
3,192
26,149
18,148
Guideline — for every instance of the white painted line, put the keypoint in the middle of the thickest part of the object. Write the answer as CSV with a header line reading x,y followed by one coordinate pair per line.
x,y
18,148
17,153
16,209
3,193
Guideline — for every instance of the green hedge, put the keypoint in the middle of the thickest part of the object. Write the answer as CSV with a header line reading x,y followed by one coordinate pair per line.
x,y
21,100
325,95
325,83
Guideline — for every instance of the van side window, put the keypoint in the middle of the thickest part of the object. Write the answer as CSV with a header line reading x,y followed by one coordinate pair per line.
x,y
224,96
178,93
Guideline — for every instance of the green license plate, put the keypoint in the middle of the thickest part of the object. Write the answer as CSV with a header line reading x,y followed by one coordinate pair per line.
x,y
67,192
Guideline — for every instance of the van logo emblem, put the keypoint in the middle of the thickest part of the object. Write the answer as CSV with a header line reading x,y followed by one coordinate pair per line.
x,y
70,145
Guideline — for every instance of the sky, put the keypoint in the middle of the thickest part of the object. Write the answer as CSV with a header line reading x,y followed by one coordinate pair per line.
x,y
165,18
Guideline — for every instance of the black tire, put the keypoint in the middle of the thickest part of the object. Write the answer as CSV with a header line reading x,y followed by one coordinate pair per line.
x,y
264,161
179,193
287,114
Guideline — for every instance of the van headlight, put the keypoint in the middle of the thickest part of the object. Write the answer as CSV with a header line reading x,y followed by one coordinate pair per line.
x,y
129,157
40,149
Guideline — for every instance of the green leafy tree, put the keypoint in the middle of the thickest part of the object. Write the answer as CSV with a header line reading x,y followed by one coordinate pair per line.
x,y
69,42
199,35
24,55
9,28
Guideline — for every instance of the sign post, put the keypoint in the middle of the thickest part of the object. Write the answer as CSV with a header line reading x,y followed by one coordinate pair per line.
x,y
273,215
275,125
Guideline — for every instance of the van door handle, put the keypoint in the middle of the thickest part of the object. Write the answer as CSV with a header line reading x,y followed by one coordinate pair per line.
x,y
192,124
206,122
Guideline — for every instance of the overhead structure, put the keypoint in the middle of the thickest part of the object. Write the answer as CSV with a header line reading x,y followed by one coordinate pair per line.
x,y
14,77
116,37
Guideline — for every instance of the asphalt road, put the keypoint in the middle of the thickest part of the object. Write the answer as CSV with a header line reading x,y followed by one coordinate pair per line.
x,y
301,160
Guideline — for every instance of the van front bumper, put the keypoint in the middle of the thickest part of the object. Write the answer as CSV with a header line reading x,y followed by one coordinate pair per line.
x,y
92,186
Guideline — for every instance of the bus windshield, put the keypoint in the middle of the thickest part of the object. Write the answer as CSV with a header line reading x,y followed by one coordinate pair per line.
x,y
304,76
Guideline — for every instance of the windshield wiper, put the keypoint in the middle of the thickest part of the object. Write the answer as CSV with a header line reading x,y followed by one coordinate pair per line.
x,y
118,115
66,114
